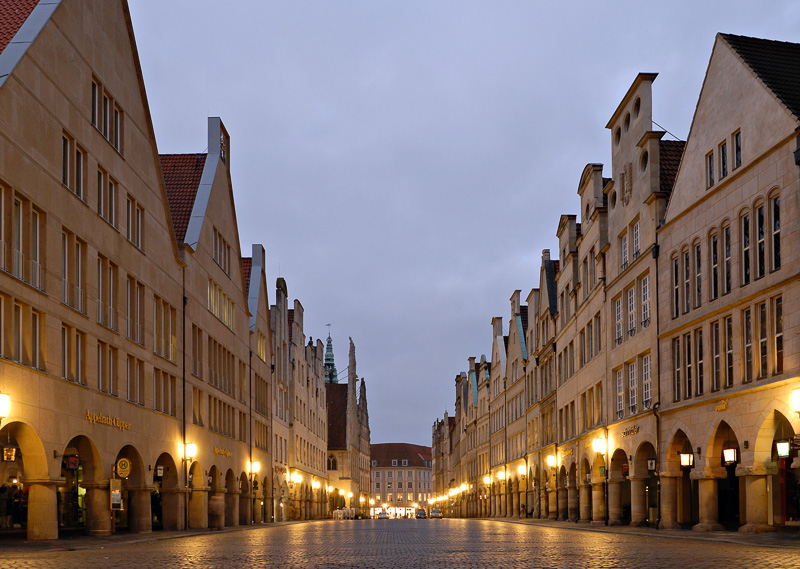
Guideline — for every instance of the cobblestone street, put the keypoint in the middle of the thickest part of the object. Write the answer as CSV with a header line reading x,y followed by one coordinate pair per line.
x,y
415,543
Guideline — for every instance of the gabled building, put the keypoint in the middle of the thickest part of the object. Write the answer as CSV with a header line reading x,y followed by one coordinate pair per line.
x,y
400,469
727,279
348,462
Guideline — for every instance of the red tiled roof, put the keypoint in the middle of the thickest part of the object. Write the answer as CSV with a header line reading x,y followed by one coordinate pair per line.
x,y
13,14
247,263
670,152
182,174
384,453
336,394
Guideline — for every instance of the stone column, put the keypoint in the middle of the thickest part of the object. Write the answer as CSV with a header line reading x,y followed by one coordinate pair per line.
x,y
172,508
523,501
757,507
585,504
198,507
502,513
552,504
708,498
638,501
563,508
42,510
614,502
98,508
598,503
514,503
572,504
216,511
140,516
669,501
232,508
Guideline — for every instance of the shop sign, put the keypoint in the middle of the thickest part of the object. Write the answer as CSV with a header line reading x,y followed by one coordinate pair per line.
x,y
223,451
630,431
159,471
123,468
73,462
101,419
116,494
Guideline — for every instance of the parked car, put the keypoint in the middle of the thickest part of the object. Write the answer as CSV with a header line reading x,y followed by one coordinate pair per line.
x,y
421,515
382,516
436,513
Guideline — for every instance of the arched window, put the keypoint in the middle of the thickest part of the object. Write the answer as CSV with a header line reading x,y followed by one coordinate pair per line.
x,y
332,463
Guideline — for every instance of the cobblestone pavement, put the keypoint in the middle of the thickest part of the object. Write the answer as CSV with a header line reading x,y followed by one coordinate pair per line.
x,y
410,543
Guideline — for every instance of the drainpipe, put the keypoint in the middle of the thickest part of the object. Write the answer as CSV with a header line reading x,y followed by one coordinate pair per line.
x,y
657,404
183,421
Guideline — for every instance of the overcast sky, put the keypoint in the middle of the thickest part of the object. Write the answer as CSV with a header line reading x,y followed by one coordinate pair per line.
x,y
405,163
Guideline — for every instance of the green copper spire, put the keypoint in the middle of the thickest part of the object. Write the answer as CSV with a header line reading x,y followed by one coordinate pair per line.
x,y
330,367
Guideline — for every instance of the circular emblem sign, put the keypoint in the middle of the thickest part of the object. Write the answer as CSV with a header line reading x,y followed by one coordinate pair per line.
x,y
123,467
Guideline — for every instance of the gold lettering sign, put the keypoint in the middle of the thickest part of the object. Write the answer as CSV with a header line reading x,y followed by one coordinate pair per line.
x,y
722,406
630,431
223,452
101,419
566,452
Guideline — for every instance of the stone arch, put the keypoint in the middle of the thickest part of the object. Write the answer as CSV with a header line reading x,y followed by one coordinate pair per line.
x,y
231,499
85,495
679,442
773,416
216,498
562,476
166,503
724,436
136,513
198,497
246,500
25,462
645,452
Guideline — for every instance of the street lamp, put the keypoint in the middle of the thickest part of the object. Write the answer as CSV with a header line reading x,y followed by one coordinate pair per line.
x,y
189,451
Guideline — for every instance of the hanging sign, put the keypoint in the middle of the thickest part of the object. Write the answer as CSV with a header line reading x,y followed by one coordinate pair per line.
x,y
123,467
116,494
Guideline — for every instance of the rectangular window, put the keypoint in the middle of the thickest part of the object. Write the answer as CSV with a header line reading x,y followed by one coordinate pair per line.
x,y
714,267
716,360
78,173
646,301
95,95
762,339
647,382
687,362
632,388
726,246
618,320
597,332
65,162
117,129
698,276
631,311
776,233
777,315
761,253
676,302
728,351
624,250
620,395
636,240
699,367
710,169
737,149
687,286
745,249
676,367
723,160
747,344
106,105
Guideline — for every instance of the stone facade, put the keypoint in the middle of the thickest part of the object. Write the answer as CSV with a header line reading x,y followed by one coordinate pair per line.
x,y
401,479
662,360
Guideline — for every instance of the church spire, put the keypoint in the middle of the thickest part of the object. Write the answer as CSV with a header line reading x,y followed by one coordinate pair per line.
x,y
331,375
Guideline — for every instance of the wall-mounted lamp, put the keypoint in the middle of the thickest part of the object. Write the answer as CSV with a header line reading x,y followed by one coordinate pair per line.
x,y
487,480
551,460
795,401
599,445
783,448
501,475
190,451
5,406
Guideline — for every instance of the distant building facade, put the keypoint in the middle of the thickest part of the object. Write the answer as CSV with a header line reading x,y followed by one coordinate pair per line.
x,y
401,479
